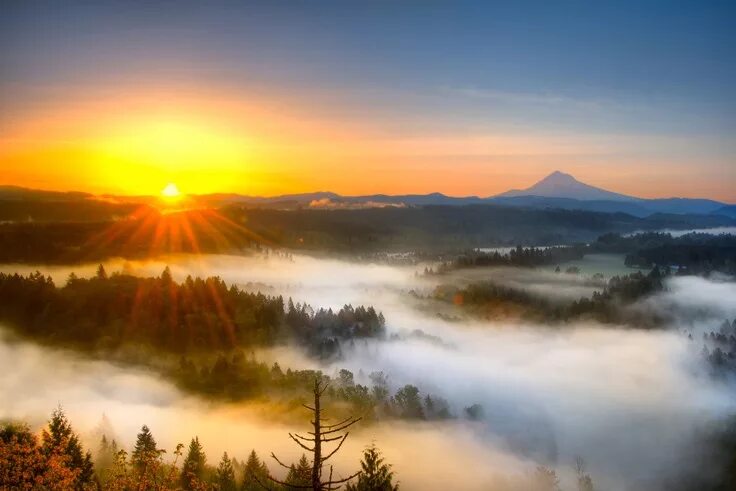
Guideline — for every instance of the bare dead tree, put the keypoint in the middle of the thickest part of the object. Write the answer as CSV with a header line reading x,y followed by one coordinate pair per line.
x,y
323,433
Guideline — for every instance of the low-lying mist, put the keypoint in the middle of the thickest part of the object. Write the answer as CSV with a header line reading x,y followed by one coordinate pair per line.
x,y
100,397
630,402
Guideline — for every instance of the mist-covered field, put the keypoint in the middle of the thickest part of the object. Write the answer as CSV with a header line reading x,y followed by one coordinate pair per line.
x,y
633,403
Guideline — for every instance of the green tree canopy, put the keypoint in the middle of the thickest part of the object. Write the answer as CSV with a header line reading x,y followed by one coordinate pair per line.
x,y
376,475
226,474
59,439
192,471
145,449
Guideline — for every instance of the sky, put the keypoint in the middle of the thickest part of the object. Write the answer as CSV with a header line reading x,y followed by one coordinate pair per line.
x,y
464,98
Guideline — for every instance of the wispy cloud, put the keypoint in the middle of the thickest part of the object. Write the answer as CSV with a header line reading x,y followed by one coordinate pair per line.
x,y
532,98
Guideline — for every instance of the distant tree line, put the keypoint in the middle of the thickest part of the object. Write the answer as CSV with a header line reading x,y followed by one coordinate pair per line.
x,y
48,236
108,311
201,333
525,257
491,299
694,253
719,349
237,377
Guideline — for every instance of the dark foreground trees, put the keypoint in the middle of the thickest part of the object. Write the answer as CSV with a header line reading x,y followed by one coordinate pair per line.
x,y
58,462
375,474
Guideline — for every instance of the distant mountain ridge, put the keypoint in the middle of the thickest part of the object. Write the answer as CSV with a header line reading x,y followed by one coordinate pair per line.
x,y
17,193
561,185
558,190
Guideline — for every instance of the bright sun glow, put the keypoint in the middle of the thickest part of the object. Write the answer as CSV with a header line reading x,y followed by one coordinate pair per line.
x,y
171,191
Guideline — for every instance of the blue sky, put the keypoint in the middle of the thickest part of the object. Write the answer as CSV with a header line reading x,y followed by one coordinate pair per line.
x,y
647,73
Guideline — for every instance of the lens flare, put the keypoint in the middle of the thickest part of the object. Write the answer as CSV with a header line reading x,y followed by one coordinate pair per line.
x,y
171,191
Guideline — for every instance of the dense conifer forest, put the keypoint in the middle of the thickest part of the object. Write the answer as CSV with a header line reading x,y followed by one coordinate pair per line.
x,y
195,315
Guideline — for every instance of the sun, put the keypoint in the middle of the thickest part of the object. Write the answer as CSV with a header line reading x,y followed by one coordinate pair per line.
x,y
171,192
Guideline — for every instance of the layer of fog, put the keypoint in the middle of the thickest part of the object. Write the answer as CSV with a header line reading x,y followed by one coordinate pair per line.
x,y
680,232
100,397
506,249
545,283
628,401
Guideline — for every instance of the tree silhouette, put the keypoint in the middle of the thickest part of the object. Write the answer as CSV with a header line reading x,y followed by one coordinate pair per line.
x,y
322,433
226,474
194,465
144,450
301,473
255,475
60,441
375,474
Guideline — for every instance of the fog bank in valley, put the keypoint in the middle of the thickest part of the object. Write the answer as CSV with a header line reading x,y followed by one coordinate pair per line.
x,y
628,401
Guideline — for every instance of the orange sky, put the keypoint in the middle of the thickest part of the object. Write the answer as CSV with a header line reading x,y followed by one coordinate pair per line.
x,y
218,142
367,97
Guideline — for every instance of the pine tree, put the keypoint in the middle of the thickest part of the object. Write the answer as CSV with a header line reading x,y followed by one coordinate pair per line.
x,y
192,470
60,441
145,449
255,476
59,432
166,277
375,474
72,278
226,474
105,454
300,473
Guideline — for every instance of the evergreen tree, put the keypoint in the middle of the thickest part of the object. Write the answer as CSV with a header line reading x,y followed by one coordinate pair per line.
x,y
105,454
58,433
256,473
59,440
409,403
301,473
375,474
226,474
145,449
166,277
291,477
192,470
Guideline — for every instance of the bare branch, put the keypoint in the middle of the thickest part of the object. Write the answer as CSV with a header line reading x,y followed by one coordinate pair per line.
x,y
280,463
319,436
301,444
294,486
339,429
304,438
325,440
323,389
337,424
336,448
330,483
329,487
